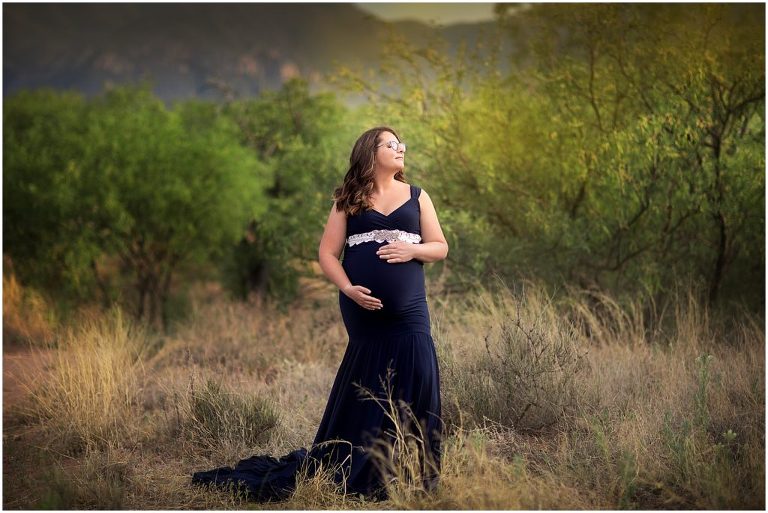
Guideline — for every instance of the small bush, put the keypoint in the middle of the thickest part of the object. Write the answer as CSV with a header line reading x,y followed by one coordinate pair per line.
x,y
216,417
99,482
524,375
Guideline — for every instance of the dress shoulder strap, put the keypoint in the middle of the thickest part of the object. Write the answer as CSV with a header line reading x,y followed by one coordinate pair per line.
x,y
415,191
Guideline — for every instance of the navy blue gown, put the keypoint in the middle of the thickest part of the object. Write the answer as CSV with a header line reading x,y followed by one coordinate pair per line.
x,y
390,352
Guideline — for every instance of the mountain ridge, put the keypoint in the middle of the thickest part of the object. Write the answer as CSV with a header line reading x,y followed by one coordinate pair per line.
x,y
197,50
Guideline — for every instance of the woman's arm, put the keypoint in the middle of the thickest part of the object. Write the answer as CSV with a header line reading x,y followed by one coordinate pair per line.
x,y
331,245
334,238
433,247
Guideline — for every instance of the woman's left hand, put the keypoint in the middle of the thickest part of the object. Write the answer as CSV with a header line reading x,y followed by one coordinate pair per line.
x,y
397,252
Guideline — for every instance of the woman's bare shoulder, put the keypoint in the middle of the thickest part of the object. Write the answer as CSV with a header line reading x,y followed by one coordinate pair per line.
x,y
423,194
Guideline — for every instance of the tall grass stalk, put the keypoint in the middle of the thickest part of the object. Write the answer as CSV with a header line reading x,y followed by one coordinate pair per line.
x,y
402,453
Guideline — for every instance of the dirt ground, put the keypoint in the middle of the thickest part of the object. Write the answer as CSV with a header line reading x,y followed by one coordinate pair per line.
x,y
17,363
18,450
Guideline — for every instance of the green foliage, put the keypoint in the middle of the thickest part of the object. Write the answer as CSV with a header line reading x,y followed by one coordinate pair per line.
x,y
113,197
653,114
43,137
623,150
302,141
121,177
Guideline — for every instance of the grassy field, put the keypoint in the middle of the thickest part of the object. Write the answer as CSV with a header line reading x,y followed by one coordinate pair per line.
x,y
576,403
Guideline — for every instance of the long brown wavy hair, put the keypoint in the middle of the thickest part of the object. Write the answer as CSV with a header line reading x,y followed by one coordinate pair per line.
x,y
353,195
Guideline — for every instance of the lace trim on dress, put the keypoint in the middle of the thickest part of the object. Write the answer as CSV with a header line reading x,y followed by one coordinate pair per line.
x,y
384,235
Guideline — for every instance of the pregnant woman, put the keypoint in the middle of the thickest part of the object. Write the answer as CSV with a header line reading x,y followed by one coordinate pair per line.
x,y
387,229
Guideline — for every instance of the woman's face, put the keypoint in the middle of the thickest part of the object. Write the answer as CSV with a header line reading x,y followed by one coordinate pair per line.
x,y
389,157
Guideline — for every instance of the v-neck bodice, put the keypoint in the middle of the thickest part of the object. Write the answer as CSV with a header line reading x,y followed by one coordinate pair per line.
x,y
406,217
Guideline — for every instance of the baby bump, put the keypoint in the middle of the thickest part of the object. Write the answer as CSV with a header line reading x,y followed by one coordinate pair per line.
x,y
399,286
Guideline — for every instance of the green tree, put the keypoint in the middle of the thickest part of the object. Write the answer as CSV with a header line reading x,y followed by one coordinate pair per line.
x,y
175,186
303,141
44,135
665,103
153,187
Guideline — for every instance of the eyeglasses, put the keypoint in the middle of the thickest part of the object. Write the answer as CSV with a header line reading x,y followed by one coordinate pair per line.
x,y
394,145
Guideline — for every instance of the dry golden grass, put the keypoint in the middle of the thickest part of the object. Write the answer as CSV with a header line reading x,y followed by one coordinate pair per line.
x,y
575,403
27,316
86,398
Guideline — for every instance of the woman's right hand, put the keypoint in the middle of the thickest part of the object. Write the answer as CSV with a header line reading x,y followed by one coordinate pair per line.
x,y
360,295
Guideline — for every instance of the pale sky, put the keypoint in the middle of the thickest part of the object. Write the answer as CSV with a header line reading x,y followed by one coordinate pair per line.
x,y
441,13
